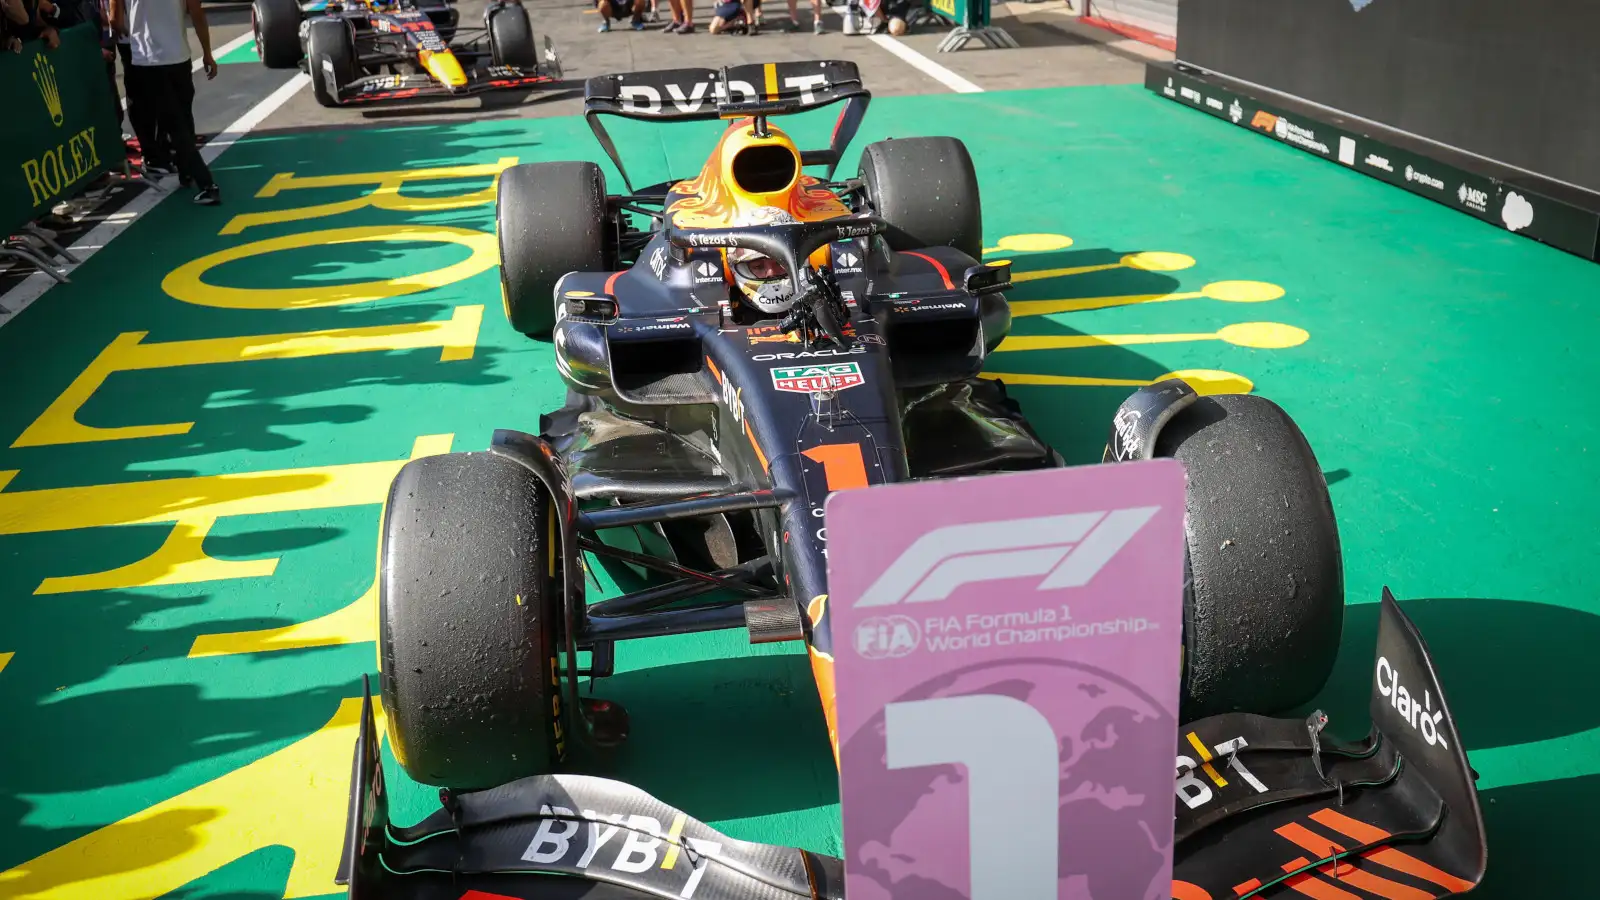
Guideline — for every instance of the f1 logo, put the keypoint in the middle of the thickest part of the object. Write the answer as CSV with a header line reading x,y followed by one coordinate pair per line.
x,y
1067,550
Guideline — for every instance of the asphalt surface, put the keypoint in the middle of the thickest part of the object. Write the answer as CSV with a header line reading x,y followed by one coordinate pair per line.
x,y
1055,51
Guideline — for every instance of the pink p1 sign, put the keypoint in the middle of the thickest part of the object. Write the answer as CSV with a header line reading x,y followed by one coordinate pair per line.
x,y
1007,656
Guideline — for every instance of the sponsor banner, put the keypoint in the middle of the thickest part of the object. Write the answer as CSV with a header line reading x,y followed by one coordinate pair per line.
x,y
1007,655
60,124
819,377
1516,208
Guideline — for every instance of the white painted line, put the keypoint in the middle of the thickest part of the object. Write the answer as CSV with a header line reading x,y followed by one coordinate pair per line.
x,y
227,48
33,287
926,66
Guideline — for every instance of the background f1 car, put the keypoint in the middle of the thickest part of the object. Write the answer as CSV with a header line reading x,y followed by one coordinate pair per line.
x,y
1266,808
363,51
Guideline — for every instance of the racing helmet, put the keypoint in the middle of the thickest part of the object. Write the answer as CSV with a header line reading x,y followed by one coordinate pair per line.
x,y
763,280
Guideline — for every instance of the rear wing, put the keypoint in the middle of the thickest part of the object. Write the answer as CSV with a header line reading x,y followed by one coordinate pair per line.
x,y
733,92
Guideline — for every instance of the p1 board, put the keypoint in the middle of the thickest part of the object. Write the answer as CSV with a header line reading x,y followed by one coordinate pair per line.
x,y
1008,665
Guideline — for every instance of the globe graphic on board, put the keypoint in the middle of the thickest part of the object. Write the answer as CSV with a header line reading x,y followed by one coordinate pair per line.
x,y
1108,845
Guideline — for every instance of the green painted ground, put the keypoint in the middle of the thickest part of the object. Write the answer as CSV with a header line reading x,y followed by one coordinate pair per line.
x,y
243,53
1434,382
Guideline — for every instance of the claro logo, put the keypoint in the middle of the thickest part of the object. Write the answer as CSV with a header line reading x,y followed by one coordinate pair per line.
x,y
1420,715
1067,550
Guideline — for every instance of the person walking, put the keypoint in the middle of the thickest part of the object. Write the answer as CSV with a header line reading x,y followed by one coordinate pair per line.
x,y
160,74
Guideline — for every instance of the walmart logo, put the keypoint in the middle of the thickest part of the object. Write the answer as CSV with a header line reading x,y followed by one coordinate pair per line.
x,y
44,76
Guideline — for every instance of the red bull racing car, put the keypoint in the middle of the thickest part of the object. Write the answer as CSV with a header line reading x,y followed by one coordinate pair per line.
x,y
366,51
737,345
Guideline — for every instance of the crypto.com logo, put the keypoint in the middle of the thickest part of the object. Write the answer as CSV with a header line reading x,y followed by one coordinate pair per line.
x,y
1067,550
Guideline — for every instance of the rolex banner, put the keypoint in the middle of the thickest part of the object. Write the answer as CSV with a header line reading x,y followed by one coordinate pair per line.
x,y
60,124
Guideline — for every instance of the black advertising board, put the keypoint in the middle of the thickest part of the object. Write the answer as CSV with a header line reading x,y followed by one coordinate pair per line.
x,y
1517,82
1521,206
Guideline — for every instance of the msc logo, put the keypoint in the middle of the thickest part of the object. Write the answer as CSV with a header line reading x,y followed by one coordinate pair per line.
x,y
1067,550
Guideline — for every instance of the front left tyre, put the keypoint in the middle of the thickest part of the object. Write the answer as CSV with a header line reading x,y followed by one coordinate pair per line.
x,y
276,26
550,219
467,607
331,58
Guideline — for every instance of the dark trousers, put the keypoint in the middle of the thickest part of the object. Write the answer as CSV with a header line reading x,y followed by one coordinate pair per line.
x,y
153,145
170,93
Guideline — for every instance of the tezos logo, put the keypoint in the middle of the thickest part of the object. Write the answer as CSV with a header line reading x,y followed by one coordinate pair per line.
x,y
1420,715
887,637
1068,550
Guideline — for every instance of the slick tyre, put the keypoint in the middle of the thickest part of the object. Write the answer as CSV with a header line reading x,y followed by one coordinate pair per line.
x,y
550,219
511,38
331,58
925,187
276,25
1266,604
467,607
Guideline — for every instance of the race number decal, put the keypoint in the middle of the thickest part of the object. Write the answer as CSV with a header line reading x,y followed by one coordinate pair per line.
x,y
1007,654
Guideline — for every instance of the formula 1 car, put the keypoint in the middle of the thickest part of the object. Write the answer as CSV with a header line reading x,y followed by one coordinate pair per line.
x,y
738,345
364,51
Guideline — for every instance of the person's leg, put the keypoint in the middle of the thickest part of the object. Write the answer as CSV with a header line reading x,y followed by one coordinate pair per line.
x,y
751,20
688,17
179,118
816,16
640,7
144,104
604,7
677,17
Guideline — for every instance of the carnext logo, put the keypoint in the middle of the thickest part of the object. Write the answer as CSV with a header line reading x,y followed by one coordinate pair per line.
x,y
1067,550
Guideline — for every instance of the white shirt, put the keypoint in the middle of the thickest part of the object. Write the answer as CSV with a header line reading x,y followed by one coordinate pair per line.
x,y
158,32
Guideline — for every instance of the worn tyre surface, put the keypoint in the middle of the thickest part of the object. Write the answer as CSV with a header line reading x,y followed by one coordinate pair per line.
x,y
550,219
466,622
331,58
277,32
927,190
1267,603
511,39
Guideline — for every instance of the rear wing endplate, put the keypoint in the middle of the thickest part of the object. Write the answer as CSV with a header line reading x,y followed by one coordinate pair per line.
x,y
733,92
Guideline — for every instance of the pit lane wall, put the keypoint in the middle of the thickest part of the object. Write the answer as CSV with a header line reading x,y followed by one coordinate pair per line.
x,y
1522,203
58,132
1492,98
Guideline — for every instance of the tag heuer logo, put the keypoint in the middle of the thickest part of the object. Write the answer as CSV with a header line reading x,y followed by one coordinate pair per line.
x,y
809,379
44,76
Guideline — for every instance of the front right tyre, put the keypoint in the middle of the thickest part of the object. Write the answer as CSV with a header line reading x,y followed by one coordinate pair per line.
x,y
467,608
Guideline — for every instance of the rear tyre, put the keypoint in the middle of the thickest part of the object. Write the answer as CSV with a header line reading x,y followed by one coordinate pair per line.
x,y
511,38
925,187
551,219
1266,609
467,608
276,24
331,54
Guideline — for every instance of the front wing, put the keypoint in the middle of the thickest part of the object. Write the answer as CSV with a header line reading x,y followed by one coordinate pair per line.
x,y
1265,807
377,88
